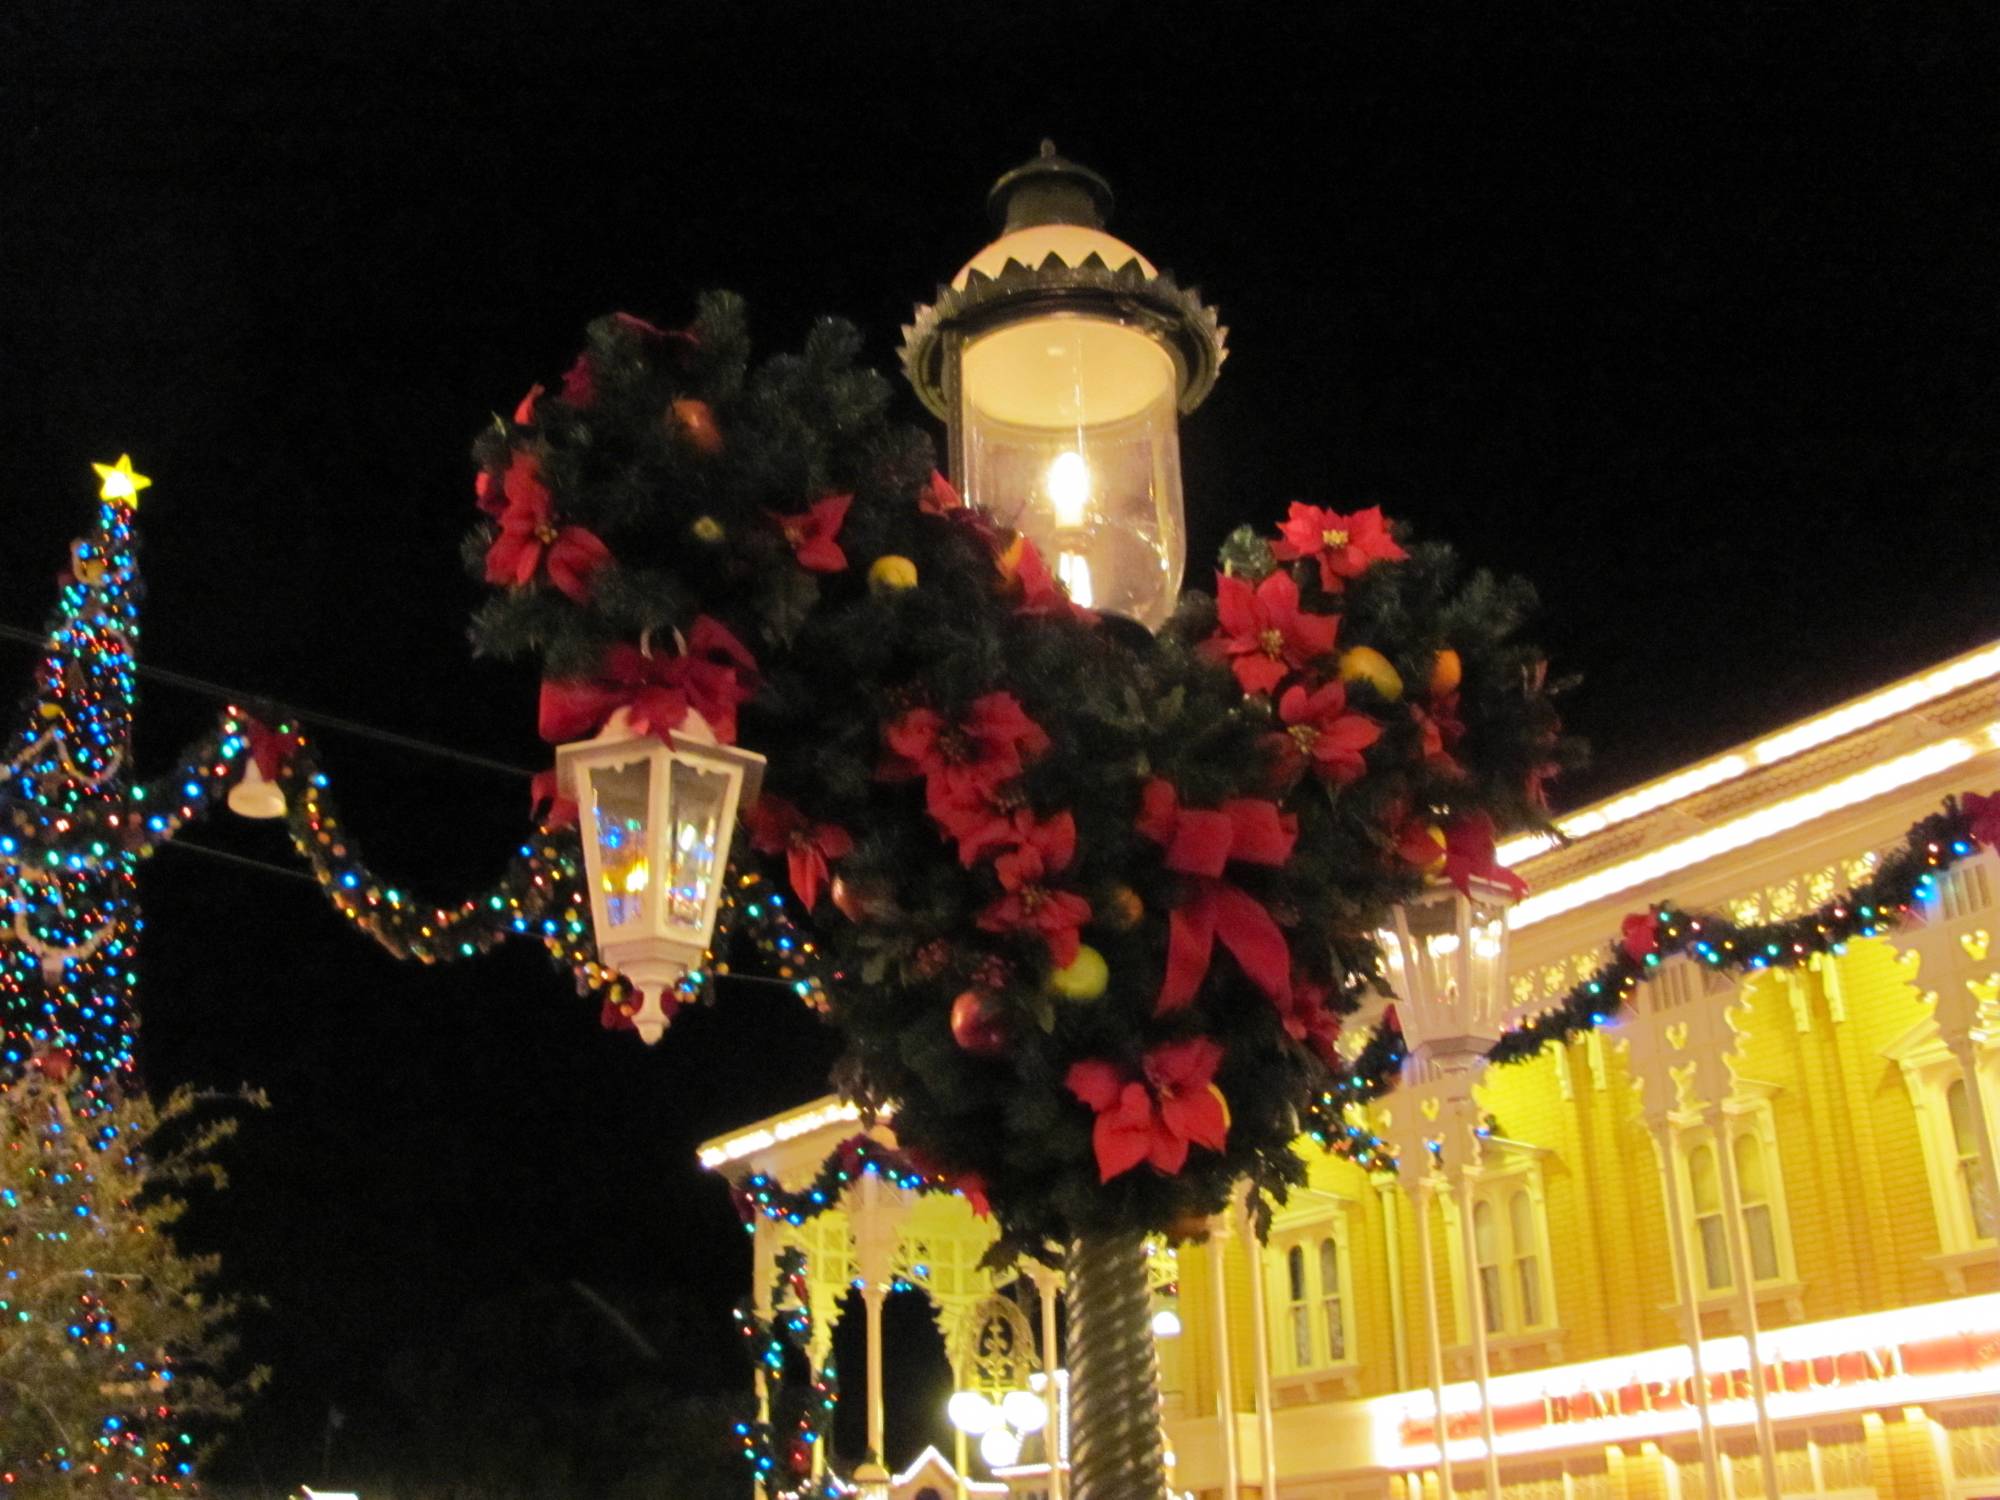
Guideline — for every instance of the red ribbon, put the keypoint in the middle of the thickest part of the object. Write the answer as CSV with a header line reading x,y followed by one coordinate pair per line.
x,y
1200,844
270,751
656,691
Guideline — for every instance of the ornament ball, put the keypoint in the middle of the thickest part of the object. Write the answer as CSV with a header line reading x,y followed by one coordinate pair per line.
x,y
976,1024
891,574
1084,978
696,425
1446,673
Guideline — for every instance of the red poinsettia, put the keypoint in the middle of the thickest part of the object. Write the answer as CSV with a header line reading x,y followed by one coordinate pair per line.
x,y
579,383
1172,1105
1639,935
777,827
530,541
1320,733
1041,593
1263,634
1469,855
522,481
1045,848
1344,546
938,497
1439,729
1984,815
525,412
964,761
1312,1022
811,536
1417,841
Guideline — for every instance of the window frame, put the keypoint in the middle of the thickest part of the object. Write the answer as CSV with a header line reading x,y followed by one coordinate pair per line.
x,y
1929,1071
1748,1119
1330,1220
1511,1168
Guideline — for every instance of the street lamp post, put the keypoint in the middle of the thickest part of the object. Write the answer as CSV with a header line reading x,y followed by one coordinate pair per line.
x,y
1447,959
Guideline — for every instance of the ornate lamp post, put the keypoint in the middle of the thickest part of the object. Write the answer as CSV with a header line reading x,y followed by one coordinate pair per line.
x,y
658,817
1060,361
1448,965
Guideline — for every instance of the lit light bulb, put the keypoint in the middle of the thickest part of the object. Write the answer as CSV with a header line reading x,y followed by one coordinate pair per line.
x,y
999,1448
1166,1324
637,876
1024,1411
1074,571
971,1412
1069,488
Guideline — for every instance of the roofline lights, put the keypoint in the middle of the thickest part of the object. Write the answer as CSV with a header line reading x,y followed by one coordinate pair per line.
x,y
1809,734
1779,817
721,1152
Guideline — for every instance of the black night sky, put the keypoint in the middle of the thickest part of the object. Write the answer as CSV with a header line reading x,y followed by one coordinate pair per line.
x,y
1688,313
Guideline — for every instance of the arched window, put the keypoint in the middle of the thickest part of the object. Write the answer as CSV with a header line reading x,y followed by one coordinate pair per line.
x,y
1300,1307
1527,1264
1705,1186
1759,1226
1486,1240
1331,1317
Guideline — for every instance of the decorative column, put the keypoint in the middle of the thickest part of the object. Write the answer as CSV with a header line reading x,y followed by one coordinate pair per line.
x,y
1959,964
1680,1051
1225,1369
1659,1121
1384,1184
1260,1347
1048,1283
1448,965
876,1216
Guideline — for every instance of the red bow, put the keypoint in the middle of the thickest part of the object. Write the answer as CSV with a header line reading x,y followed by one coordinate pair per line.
x,y
270,751
1983,816
1200,844
1639,935
546,792
656,691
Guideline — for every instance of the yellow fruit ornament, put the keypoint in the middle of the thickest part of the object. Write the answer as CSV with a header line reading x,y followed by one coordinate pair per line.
x,y
1084,978
1366,664
891,574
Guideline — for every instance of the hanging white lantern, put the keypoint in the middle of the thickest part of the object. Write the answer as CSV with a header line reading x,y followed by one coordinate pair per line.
x,y
1061,361
254,797
1448,965
657,820
1000,1447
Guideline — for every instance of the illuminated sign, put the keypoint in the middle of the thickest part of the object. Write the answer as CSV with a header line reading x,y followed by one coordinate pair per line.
x,y
1905,1357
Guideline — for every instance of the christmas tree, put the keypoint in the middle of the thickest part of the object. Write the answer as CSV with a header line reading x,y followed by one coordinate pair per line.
x,y
106,1340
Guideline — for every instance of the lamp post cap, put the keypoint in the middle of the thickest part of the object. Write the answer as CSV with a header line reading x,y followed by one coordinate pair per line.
x,y
1049,189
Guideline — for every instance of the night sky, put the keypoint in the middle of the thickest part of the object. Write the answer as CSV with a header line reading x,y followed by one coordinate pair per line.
x,y
1688,313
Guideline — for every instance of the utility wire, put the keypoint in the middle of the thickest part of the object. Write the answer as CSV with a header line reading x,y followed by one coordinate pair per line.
x,y
244,860
326,721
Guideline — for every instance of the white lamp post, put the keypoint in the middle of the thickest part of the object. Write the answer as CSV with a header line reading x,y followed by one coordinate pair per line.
x,y
1060,360
1448,964
657,820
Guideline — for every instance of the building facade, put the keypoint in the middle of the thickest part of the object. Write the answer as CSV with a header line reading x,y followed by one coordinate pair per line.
x,y
1799,1162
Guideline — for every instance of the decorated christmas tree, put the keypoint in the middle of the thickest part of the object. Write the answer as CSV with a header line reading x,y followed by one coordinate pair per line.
x,y
106,1339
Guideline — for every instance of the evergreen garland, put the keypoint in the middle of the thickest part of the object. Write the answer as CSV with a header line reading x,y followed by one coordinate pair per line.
x,y
977,791
779,1448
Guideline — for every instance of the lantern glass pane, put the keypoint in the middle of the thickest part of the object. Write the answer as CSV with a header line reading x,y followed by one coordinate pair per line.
x,y
1070,433
618,811
697,800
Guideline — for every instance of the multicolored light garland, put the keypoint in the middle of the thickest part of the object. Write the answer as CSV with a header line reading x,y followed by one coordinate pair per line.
x,y
783,1466
759,1193
1903,878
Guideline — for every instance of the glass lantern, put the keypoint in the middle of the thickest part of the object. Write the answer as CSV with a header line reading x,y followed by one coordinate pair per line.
x,y
1061,361
657,821
1448,965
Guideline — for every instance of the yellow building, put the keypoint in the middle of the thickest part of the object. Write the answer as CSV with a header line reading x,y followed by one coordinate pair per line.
x,y
1843,1110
